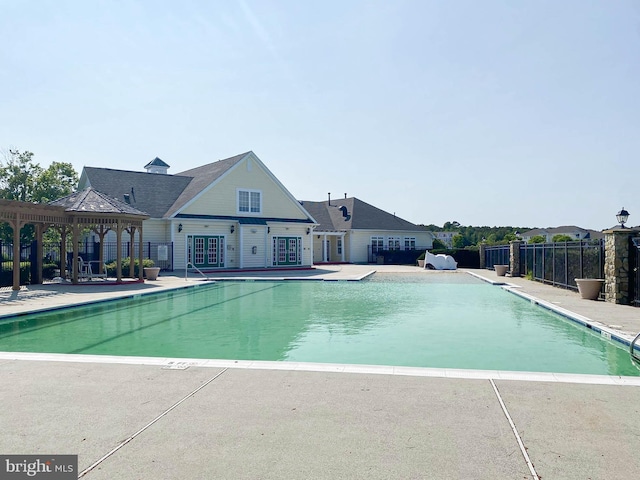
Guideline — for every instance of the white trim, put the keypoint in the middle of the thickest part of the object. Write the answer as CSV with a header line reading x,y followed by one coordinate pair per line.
x,y
208,187
255,158
258,162
577,378
249,191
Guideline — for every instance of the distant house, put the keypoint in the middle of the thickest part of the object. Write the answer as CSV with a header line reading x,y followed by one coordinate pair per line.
x,y
572,231
446,238
233,213
354,231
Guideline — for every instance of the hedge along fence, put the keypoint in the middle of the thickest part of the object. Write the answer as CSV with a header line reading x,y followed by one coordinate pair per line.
x,y
6,273
126,266
464,257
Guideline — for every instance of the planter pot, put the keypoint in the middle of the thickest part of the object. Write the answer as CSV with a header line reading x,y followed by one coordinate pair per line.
x,y
421,263
589,288
151,273
501,270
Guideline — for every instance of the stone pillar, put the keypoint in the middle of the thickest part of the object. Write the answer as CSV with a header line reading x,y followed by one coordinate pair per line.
x,y
616,265
481,251
514,257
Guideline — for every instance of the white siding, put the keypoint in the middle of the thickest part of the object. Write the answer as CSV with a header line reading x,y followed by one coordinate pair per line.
x,y
292,230
204,227
254,238
358,241
222,198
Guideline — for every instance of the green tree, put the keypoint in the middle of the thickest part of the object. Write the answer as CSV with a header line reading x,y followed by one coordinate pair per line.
x,y
57,181
451,226
538,239
561,237
24,180
459,241
438,244
17,176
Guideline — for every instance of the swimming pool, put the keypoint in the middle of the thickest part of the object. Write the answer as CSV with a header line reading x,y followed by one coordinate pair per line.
x,y
448,321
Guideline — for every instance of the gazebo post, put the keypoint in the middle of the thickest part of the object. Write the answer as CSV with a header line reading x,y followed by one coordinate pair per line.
x,y
101,232
141,253
63,251
118,251
76,252
39,251
132,232
16,252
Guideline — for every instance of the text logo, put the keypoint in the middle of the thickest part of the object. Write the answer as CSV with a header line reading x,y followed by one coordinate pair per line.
x,y
38,467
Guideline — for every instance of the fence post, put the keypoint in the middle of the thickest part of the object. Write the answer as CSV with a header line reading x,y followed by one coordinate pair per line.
x,y
514,257
617,265
481,251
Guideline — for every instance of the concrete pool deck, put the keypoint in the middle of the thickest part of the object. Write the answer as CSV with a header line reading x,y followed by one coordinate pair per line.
x,y
128,421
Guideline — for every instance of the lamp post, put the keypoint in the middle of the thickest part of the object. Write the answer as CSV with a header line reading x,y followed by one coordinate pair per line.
x,y
622,216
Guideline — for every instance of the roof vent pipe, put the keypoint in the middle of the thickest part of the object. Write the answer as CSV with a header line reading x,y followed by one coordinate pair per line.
x,y
345,195
329,198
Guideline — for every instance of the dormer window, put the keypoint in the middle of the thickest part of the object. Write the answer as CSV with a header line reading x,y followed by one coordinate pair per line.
x,y
249,201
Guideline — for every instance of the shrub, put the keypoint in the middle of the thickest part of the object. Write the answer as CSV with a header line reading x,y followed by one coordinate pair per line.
x,y
48,270
6,273
112,267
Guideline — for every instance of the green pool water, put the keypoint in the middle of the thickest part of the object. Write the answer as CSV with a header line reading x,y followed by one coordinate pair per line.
x,y
452,321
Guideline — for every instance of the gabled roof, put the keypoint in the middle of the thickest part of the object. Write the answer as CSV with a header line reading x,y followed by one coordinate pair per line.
x,y
162,196
201,178
156,162
586,232
91,201
149,192
360,216
554,230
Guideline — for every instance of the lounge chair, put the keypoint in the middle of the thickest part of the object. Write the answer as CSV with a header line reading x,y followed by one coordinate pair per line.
x,y
86,272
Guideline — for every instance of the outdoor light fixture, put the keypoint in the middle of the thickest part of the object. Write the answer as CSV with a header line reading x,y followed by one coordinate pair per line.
x,y
233,228
179,227
622,217
308,231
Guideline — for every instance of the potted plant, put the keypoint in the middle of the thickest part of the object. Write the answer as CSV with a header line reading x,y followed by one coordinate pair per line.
x,y
501,270
421,260
589,288
150,270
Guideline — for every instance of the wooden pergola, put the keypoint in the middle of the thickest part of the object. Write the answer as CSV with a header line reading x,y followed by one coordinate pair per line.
x,y
86,209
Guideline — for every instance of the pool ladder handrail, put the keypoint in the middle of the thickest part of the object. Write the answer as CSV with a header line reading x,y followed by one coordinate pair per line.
x,y
186,271
631,351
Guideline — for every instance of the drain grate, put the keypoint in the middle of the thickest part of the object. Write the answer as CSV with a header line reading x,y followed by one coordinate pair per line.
x,y
178,365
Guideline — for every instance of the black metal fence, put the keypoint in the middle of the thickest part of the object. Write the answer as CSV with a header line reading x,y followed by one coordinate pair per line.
x,y
561,263
558,264
634,275
465,258
394,257
496,255
160,253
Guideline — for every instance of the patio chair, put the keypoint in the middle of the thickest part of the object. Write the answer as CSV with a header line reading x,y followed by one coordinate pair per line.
x,y
84,269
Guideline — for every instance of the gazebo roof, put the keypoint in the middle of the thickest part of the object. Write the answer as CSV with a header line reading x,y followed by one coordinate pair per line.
x,y
88,207
91,201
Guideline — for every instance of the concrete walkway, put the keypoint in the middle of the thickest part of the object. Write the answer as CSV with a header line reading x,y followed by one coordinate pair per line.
x,y
268,422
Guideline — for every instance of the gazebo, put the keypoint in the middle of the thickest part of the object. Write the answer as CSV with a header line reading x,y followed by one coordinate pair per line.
x,y
85,209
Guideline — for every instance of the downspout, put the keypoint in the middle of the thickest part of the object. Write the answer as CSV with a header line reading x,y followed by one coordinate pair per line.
x,y
241,245
324,248
266,247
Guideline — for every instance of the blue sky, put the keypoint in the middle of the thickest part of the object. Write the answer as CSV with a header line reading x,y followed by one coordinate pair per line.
x,y
522,113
